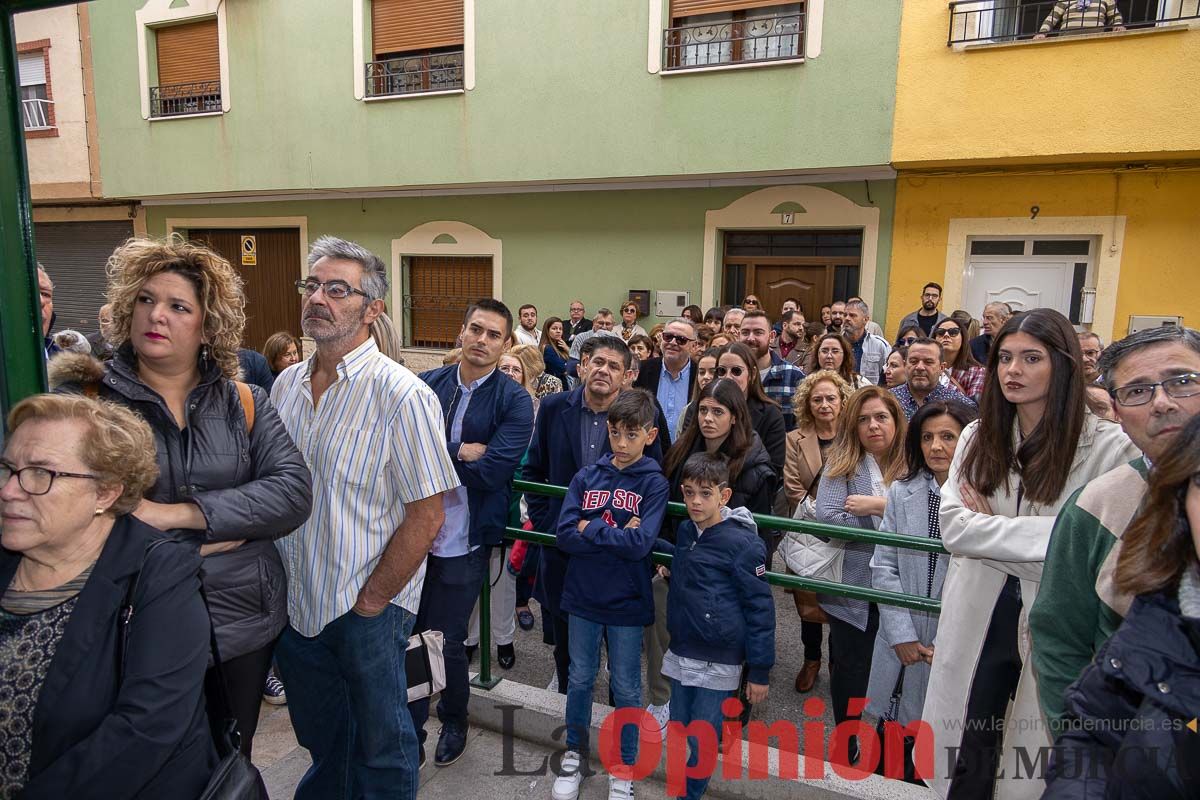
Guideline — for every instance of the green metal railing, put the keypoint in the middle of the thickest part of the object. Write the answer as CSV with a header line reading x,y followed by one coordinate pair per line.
x,y
486,680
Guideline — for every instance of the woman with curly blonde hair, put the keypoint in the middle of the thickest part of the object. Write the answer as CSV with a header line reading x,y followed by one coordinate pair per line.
x,y
539,382
230,479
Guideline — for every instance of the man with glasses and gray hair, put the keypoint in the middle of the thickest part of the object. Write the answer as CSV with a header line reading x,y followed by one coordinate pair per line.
x,y
671,379
577,322
994,316
1153,377
372,434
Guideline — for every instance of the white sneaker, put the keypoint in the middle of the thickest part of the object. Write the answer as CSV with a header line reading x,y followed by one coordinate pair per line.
x,y
661,714
619,789
566,785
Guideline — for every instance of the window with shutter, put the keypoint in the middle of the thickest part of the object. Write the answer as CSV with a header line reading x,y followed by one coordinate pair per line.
x,y
189,70
37,106
417,46
714,32
439,288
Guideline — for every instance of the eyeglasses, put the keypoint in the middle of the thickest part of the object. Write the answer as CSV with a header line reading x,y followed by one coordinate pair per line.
x,y
736,372
676,338
951,332
335,290
907,340
749,302
1139,394
36,480
1093,354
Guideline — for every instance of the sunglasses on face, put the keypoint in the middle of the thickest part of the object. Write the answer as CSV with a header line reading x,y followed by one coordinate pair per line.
x,y
736,372
750,303
907,340
676,338
951,332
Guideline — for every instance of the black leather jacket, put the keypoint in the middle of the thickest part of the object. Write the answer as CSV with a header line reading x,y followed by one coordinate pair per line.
x,y
252,486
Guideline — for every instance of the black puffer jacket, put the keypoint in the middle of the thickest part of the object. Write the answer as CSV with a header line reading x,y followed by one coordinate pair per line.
x,y
1127,715
252,486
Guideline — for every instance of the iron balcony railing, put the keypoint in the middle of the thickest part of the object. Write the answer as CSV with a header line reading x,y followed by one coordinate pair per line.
x,y
431,72
181,99
36,113
486,680
755,39
992,21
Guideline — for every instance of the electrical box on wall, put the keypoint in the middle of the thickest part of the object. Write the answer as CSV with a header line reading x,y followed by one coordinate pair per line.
x,y
669,303
1141,322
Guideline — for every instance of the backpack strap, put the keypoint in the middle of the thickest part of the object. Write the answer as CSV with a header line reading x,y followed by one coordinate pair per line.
x,y
247,398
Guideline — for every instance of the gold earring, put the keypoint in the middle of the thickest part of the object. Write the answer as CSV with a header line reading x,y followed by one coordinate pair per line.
x,y
99,511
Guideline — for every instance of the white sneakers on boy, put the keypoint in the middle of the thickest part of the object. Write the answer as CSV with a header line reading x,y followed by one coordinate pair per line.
x,y
619,789
566,785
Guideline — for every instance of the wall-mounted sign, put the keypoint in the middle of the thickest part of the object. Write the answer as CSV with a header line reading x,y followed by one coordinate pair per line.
x,y
249,251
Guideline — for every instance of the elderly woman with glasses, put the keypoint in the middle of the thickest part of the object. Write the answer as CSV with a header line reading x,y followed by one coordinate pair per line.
x,y
230,481
103,633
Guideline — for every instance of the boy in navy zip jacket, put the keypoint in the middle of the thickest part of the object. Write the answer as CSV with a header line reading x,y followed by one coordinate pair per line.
x,y
609,522
720,612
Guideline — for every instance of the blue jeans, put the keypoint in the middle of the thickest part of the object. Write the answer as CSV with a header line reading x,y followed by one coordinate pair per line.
x,y
692,704
452,586
625,667
347,698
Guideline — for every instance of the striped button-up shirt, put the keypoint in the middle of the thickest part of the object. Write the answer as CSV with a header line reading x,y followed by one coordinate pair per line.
x,y
374,442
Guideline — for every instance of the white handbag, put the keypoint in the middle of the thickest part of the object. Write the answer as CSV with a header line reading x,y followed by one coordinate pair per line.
x,y
808,556
425,665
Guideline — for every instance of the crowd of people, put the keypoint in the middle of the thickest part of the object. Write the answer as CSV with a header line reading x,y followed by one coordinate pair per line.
x,y
312,513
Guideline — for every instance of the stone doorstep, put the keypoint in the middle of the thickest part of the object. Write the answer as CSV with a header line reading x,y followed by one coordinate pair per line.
x,y
540,712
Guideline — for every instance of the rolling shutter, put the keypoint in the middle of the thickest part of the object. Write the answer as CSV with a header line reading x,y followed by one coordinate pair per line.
x,y
400,26
188,53
691,8
74,254
32,68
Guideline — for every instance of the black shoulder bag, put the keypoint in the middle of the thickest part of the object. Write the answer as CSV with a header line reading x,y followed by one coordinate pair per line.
x,y
235,777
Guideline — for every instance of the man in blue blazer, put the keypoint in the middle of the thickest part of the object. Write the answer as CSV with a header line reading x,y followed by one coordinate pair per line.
x,y
489,419
572,433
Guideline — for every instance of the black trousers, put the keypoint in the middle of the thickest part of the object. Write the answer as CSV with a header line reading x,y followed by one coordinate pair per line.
x,y
995,684
811,635
244,680
850,662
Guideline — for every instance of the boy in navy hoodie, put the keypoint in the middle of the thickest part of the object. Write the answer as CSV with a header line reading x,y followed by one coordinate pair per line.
x,y
720,612
609,522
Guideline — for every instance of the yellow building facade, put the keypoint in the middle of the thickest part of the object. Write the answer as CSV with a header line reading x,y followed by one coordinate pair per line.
x,y
1060,172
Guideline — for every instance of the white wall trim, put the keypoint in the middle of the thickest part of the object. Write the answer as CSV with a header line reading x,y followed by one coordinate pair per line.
x,y
175,224
814,21
1109,231
358,18
469,241
156,13
822,209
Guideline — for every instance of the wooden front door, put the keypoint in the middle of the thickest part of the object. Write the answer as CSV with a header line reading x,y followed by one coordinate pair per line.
x,y
813,266
774,283
272,303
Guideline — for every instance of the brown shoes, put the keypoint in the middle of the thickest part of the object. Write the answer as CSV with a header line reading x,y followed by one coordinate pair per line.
x,y
807,676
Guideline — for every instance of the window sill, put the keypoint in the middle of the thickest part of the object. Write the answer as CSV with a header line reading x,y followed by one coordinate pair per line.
x,y
783,62
1170,27
172,117
414,95
41,133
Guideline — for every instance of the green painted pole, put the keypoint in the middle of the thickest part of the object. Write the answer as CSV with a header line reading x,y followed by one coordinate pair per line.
x,y
485,680
24,371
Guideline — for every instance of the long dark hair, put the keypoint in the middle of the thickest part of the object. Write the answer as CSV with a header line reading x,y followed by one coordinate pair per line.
x,y
561,349
1043,460
754,388
1158,547
741,435
846,370
964,358
914,456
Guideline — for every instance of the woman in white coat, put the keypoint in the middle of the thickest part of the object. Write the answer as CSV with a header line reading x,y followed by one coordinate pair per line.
x,y
1033,446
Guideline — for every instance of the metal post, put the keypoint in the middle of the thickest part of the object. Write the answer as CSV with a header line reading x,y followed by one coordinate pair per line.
x,y
24,370
485,680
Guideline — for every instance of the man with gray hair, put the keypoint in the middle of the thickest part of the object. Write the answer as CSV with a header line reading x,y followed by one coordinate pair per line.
x,y
1153,377
1091,345
603,323
671,379
46,298
870,351
994,316
373,436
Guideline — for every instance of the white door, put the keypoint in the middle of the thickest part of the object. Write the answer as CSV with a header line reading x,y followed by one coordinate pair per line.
x,y
1022,284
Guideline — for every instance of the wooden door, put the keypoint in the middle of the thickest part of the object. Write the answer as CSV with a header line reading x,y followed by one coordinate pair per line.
x,y
811,285
272,303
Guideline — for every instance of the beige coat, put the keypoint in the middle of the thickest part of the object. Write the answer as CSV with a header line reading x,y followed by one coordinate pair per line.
x,y
985,550
801,466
